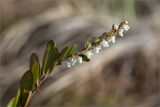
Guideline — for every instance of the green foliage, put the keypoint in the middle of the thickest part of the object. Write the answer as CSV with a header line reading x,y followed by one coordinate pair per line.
x,y
72,50
17,99
67,52
26,83
63,54
25,97
11,103
35,69
32,79
14,102
84,57
46,58
53,56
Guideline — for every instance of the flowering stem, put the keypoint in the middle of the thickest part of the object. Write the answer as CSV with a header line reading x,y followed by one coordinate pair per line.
x,y
34,77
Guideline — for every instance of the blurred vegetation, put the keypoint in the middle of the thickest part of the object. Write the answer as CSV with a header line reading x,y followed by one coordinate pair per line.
x,y
127,74
124,9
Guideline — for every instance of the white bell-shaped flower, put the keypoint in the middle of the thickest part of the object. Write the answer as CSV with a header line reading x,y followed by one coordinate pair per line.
x,y
97,49
120,32
73,61
115,27
104,43
69,64
88,54
79,59
126,27
113,38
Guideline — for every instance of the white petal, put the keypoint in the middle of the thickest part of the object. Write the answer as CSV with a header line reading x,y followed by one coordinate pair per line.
x,y
73,60
79,59
97,49
128,27
107,44
113,39
116,27
104,43
120,32
73,63
69,64
89,54
125,27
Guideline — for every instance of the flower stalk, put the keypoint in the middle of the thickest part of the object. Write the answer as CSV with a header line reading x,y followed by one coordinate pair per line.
x,y
96,44
37,73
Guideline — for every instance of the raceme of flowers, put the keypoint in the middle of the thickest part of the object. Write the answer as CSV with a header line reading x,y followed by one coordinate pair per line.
x,y
34,76
97,44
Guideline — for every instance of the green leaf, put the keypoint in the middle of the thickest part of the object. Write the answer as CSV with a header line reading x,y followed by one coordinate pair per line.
x,y
84,57
45,67
63,54
11,103
35,69
14,102
72,50
26,83
53,56
25,97
17,99
87,45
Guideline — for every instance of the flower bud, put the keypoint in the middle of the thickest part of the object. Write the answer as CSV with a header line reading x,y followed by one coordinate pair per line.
x,y
120,32
104,43
79,59
97,49
113,39
88,54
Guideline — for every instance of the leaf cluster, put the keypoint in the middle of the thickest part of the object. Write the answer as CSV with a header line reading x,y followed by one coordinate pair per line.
x,y
33,77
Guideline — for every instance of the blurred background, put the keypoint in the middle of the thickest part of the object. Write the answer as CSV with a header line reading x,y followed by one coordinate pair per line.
x,y
127,74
